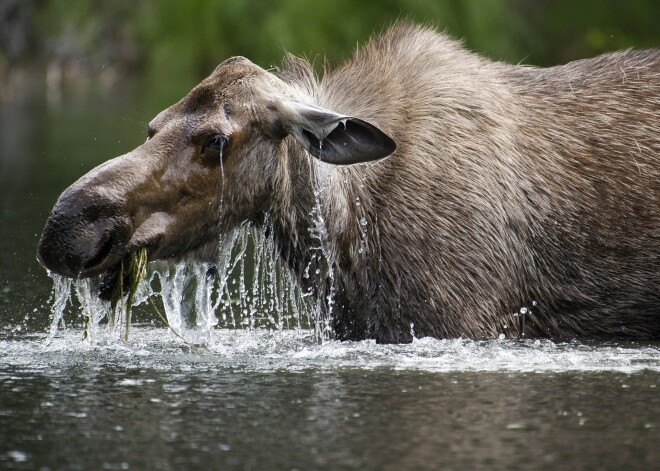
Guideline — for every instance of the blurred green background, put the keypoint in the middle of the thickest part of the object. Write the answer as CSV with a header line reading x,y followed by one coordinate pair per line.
x,y
172,44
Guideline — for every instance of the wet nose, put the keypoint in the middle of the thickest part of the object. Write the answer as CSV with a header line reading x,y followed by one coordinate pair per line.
x,y
84,235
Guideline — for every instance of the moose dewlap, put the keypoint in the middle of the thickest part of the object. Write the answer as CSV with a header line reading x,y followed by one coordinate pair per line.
x,y
418,187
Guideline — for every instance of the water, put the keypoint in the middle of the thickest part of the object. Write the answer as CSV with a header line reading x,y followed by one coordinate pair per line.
x,y
260,391
277,400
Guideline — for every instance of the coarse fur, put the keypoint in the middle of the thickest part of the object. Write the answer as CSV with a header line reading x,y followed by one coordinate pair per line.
x,y
510,187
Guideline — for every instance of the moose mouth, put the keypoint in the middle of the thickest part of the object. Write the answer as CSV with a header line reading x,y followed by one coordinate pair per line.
x,y
110,263
113,251
110,279
77,247
111,266
101,256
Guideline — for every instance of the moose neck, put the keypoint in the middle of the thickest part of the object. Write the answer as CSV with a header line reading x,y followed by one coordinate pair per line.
x,y
310,220
326,232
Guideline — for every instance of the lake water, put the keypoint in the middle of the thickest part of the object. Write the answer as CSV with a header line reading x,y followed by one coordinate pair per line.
x,y
277,399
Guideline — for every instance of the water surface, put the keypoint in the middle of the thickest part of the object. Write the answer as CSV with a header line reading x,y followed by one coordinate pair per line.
x,y
281,400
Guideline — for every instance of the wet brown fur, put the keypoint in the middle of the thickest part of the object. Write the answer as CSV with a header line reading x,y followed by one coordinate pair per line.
x,y
509,186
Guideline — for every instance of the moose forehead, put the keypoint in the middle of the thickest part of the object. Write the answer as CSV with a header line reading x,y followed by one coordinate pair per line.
x,y
232,80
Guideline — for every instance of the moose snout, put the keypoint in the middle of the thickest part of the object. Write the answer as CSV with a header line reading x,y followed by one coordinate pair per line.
x,y
84,235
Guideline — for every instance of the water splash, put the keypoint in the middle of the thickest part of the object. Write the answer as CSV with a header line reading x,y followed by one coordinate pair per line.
x,y
245,289
60,297
275,351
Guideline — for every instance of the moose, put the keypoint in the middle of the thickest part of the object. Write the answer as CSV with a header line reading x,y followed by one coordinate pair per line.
x,y
419,189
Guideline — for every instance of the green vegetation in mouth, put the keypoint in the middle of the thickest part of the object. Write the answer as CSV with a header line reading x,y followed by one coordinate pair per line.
x,y
135,272
132,276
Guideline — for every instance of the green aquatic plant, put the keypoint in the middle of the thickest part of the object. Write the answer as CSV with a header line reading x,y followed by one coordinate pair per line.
x,y
131,276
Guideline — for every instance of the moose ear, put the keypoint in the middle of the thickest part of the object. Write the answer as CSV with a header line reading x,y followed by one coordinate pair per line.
x,y
334,138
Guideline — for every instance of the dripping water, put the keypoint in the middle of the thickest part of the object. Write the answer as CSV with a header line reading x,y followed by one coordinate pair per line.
x,y
245,289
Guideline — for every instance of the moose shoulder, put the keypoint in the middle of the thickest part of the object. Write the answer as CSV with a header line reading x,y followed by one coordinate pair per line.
x,y
451,190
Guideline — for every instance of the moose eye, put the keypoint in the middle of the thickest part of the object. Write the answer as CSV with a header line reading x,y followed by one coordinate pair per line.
x,y
214,143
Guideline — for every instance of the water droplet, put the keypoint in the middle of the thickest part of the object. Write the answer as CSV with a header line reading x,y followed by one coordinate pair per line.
x,y
17,455
363,221
502,336
523,310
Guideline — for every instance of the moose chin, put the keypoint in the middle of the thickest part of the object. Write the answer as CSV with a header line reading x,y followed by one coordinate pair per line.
x,y
453,189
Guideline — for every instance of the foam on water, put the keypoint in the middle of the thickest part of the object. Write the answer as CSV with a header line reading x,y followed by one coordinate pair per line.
x,y
291,350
